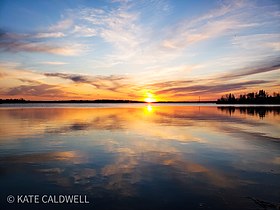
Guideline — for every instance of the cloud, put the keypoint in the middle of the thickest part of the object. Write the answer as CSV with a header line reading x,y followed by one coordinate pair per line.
x,y
6,36
42,90
12,42
274,66
191,90
69,50
30,81
73,77
61,25
117,27
167,84
8,64
14,71
224,20
49,35
255,42
198,34
84,31
273,45
2,75
53,63
112,83
232,81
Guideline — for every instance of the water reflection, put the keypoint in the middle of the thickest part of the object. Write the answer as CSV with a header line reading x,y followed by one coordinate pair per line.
x,y
149,108
260,111
150,157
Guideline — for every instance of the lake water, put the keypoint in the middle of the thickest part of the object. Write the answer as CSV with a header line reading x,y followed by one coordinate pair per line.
x,y
139,156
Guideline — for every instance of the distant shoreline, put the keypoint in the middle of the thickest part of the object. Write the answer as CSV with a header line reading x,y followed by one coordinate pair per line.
x,y
19,101
104,101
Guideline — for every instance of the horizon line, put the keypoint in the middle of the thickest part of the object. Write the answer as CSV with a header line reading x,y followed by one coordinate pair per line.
x,y
99,101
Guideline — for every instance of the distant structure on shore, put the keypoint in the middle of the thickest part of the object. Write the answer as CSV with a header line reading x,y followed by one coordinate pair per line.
x,y
260,97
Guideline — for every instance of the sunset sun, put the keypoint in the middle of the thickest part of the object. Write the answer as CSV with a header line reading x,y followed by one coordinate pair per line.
x,y
150,98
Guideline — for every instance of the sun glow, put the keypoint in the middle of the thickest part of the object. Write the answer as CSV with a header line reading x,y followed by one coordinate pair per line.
x,y
150,98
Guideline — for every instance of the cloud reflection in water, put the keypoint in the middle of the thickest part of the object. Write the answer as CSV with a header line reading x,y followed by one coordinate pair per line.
x,y
186,155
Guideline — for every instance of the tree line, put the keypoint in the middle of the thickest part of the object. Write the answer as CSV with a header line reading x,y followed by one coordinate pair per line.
x,y
261,97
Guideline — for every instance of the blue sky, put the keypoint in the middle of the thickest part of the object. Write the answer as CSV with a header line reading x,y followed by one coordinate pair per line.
x,y
124,49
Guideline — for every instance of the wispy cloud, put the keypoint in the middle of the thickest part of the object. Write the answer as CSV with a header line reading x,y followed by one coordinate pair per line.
x,y
29,81
251,71
84,31
2,74
120,28
236,80
255,42
9,36
117,27
69,50
49,35
53,63
73,77
13,70
112,83
61,25
209,89
26,43
191,35
216,23
41,42
42,90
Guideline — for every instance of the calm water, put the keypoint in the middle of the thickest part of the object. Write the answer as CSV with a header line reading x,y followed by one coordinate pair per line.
x,y
141,157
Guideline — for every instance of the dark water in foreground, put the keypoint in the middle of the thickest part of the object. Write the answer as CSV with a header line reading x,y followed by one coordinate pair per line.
x,y
142,157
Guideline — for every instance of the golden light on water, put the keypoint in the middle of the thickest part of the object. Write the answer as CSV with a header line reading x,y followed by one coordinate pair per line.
x,y
149,108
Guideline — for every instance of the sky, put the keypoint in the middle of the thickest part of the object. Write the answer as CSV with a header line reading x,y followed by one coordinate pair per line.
x,y
146,49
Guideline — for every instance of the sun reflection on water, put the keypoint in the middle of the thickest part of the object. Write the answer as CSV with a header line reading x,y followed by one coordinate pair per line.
x,y
149,108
